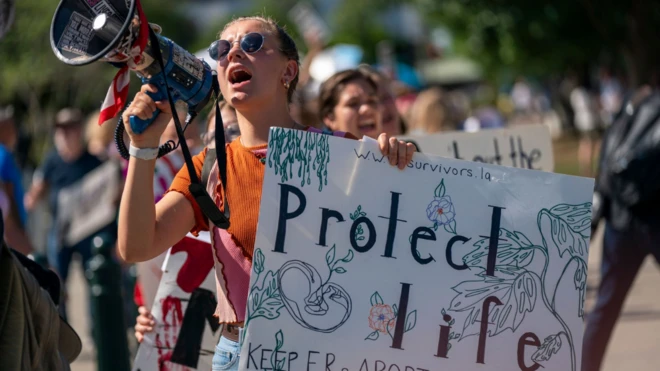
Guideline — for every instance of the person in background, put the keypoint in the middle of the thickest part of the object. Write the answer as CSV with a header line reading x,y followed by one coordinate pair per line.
x,y
393,123
32,335
229,122
348,102
431,113
12,185
99,137
63,169
630,218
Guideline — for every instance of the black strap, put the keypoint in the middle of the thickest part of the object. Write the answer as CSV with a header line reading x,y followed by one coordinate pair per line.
x,y
209,160
220,150
205,202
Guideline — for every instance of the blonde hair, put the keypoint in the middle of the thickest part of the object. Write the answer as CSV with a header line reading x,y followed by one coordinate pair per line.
x,y
287,45
430,112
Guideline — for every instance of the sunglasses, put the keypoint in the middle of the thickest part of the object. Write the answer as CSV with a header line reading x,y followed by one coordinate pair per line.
x,y
249,43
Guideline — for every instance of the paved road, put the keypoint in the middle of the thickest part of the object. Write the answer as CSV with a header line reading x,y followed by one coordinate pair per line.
x,y
635,346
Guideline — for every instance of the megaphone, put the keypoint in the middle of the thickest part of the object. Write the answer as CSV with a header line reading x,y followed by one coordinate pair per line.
x,y
117,32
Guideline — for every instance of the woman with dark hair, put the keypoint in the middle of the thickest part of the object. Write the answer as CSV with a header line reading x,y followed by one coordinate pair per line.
x,y
348,101
257,71
393,123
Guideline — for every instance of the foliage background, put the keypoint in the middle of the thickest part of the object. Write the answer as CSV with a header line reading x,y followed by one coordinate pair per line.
x,y
542,40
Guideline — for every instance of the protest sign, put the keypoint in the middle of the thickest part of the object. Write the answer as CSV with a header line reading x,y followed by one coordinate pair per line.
x,y
525,146
448,264
90,204
186,332
309,21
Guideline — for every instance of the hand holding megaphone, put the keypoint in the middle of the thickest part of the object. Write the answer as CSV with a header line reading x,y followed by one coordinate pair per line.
x,y
144,107
118,32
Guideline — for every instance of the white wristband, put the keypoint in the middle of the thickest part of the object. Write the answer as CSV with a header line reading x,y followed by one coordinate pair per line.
x,y
143,153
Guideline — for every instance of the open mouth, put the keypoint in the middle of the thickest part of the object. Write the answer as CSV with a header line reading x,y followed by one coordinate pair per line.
x,y
366,127
239,76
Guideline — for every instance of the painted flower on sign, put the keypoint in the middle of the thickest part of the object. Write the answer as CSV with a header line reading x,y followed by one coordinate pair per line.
x,y
379,317
441,210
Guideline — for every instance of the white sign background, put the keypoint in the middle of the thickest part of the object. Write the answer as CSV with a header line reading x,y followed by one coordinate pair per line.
x,y
525,146
540,273
90,204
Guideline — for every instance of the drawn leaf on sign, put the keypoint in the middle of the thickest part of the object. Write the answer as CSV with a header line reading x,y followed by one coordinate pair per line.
x,y
518,297
376,299
348,257
411,320
330,256
580,281
279,339
359,231
258,261
578,217
551,345
567,228
340,270
440,189
451,227
265,301
513,249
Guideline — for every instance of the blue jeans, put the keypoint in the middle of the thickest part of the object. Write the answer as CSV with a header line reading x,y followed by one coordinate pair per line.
x,y
226,355
623,255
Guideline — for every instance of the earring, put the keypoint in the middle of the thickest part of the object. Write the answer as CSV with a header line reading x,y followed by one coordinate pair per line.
x,y
286,85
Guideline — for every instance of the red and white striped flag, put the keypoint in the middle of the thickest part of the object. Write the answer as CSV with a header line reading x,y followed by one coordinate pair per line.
x,y
118,91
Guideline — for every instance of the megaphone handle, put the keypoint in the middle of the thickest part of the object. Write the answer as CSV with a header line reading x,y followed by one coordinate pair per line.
x,y
137,124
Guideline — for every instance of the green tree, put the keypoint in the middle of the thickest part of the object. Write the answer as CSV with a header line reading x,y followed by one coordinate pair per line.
x,y
541,37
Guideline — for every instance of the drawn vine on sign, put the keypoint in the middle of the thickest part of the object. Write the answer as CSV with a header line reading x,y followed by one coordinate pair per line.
x,y
310,151
566,229
359,231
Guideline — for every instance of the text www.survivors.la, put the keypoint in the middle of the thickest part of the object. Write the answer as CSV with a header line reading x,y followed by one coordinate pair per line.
x,y
425,166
